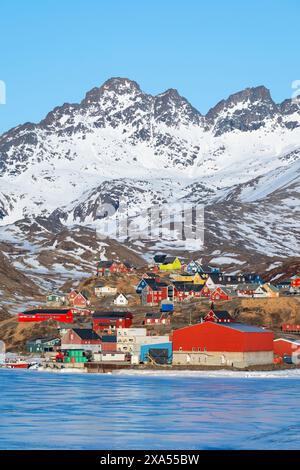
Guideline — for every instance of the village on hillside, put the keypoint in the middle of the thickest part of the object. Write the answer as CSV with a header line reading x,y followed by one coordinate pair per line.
x,y
170,313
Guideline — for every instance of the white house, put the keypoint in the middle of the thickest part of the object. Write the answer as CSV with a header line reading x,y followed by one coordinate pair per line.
x,y
260,292
121,300
105,290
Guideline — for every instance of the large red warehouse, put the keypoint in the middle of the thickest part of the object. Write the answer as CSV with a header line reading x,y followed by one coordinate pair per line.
x,y
233,344
41,315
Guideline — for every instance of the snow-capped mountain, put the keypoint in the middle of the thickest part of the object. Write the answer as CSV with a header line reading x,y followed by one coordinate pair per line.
x,y
241,160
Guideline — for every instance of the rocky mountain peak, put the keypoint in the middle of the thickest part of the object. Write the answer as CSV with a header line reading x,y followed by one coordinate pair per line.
x,y
172,109
117,86
246,110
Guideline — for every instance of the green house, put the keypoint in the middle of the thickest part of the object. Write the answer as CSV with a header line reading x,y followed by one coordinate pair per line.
x,y
42,345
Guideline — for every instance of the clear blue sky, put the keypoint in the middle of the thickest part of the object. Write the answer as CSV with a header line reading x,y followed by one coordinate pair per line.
x,y
53,51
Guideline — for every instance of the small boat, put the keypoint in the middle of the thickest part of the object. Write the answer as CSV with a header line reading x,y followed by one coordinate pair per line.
x,y
15,365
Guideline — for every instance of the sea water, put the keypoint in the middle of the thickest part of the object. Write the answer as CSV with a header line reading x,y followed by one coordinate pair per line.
x,y
40,410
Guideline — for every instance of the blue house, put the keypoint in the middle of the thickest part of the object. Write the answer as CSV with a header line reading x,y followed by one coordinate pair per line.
x,y
141,285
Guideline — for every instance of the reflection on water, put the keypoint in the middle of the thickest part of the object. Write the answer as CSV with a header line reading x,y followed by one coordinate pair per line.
x,y
53,411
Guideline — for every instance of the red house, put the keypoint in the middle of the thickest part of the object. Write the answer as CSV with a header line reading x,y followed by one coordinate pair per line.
x,y
291,328
286,346
80,337
218,316
109,343
157,319
154,292
106,268
186,290
206,292
295,282
41,315
78,299
221,293
111,320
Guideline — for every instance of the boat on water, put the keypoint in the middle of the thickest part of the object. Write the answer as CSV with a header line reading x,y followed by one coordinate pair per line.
x,y
15,365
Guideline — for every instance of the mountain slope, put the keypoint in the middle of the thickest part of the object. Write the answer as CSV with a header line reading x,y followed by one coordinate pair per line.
x,y
241,160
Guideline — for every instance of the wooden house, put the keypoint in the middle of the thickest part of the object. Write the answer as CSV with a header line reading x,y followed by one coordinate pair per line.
x,y
56,299
159,259
111,320
103,291
184,291
271,290
222,293
107,268
206,292
78,299
158,318
42,345
193,267
247,290
295,282
171,263
218,316
80,337
154,292
121,300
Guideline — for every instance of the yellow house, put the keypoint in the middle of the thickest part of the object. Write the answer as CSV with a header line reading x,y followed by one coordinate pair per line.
x,y
197,278
183,278
170,264
200,278
271,290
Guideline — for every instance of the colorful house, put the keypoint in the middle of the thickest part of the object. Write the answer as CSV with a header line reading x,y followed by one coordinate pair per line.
x,y
159,258
295,282
222,293
42,345
109,343
107,268
193,267
57,299
171,263
234,279
293,328
191,278
218,316
247,290
111,320
260,292
80,337
121,300
154,292
286,346
78,299
206,292
158,318
103,291
183,291
271,290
